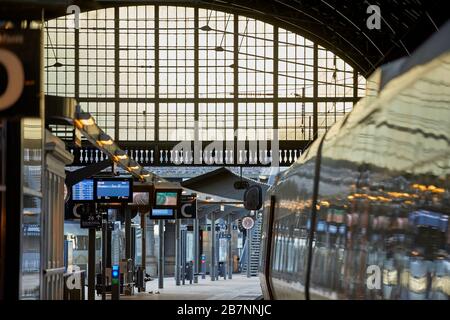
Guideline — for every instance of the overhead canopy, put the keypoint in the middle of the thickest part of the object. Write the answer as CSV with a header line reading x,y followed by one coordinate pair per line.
x,y
220,182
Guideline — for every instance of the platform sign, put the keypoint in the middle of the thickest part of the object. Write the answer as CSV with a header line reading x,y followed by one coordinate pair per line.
x,y
20,75
90,218
83,191
248,223
162,214
188,207
107,190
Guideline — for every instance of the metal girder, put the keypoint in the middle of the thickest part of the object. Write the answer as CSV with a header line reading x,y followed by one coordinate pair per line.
x,y
73,177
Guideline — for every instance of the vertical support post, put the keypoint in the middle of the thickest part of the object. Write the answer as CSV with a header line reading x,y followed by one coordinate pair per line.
x,y
161,255
229,253
216,261
143,247
91,265
10,257
196,76
116,72
212,269
77,64
315,91
156,156
196,248
249,251
275,79
235,85
355,87
183,256
177,252
104,255
109,245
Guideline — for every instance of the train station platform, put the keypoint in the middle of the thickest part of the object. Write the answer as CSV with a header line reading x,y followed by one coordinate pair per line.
x,y
238,288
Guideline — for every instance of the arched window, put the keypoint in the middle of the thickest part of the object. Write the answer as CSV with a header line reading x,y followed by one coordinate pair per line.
x,y
148,73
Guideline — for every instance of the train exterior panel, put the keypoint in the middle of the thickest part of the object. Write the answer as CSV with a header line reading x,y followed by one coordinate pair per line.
x,y
363,214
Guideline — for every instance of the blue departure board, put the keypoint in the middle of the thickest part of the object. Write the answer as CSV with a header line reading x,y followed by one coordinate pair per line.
x,y
162,214
83,191
113,190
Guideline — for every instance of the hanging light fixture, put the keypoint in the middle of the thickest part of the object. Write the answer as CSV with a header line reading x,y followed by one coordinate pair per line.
x,y
144,174
132,165
205,28
104,140
84,119
120,155
57,64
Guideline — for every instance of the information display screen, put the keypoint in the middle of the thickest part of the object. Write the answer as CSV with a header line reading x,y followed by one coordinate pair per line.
x,y
167,198
83,191
113,190
162,214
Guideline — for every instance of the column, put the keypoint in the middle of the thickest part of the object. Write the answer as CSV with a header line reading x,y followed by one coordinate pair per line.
x,y
161,255
229,252
212,269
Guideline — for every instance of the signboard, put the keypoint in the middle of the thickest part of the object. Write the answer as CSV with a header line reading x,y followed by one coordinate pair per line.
x,y
225,236
162,213
248,223
83,191
166,198
90,219
113,190
188,207
20,76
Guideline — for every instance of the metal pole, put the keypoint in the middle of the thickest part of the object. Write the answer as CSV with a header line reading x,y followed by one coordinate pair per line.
x,y
143,247
177,252
91,265
249,244
104,245
109,245
212,270
127,287
183,257
196,248
216,262
229,255
161,255
315,91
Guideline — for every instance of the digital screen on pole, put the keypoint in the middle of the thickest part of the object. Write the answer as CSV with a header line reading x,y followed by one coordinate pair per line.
x,y
162,214
166,199
83,191
113,190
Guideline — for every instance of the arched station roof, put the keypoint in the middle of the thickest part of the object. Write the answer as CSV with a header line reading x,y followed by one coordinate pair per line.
x,y
338,25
